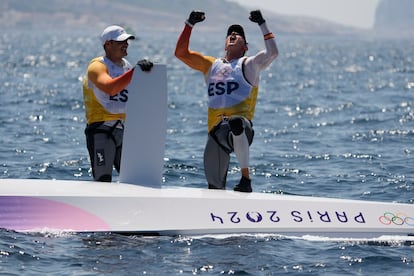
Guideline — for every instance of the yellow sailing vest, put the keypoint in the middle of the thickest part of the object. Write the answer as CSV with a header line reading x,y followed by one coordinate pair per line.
x,y
229,93
100,106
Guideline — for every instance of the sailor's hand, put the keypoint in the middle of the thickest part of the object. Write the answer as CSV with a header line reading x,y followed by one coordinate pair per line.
x,y
256,16
195,17
145,65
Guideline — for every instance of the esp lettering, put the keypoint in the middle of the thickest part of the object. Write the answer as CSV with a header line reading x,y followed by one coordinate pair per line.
x,y
120,97
220,88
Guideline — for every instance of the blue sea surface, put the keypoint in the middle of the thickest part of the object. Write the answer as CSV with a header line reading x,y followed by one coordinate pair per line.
x,y
334,118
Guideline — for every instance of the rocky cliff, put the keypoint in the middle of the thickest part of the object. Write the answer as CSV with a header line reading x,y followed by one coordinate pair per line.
x,y
395,18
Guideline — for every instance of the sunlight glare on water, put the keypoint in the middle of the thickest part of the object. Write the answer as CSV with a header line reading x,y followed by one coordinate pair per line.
x,y
334,118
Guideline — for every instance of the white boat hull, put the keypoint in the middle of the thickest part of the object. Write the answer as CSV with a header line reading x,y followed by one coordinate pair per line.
x,y
81,206
146,208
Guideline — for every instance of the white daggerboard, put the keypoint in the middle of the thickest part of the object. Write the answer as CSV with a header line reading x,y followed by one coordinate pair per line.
x,y
145,128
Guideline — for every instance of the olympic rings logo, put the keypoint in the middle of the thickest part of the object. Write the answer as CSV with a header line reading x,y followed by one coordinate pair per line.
x,y
397,219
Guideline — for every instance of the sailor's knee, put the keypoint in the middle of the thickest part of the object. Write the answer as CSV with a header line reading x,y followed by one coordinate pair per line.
x,y
236,125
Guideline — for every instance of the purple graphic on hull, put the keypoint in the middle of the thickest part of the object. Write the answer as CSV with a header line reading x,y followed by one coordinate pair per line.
x,y
22,213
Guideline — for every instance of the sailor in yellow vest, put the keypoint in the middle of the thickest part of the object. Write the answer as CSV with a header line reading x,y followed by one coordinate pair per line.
x,y
232,86
105,97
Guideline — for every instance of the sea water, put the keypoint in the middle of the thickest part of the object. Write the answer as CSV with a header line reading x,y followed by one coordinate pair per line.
x,y
334,118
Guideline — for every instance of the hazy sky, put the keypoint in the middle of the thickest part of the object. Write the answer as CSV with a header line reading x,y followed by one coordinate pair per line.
x,y
359,13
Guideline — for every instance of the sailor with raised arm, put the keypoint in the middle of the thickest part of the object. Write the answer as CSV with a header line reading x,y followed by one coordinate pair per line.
x,y
232,88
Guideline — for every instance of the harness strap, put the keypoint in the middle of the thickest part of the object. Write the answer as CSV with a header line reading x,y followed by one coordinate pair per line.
x,y
249,132
94,128
213,135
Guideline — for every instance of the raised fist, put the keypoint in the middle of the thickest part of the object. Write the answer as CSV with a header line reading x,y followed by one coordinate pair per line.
x,y
195,17
256,16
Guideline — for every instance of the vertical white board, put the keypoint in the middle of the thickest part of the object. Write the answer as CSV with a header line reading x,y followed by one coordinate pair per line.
x,y
143,147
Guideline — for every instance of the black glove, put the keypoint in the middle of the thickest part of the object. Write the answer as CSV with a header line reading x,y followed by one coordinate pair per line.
x,y
195,17
145,65
256,16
